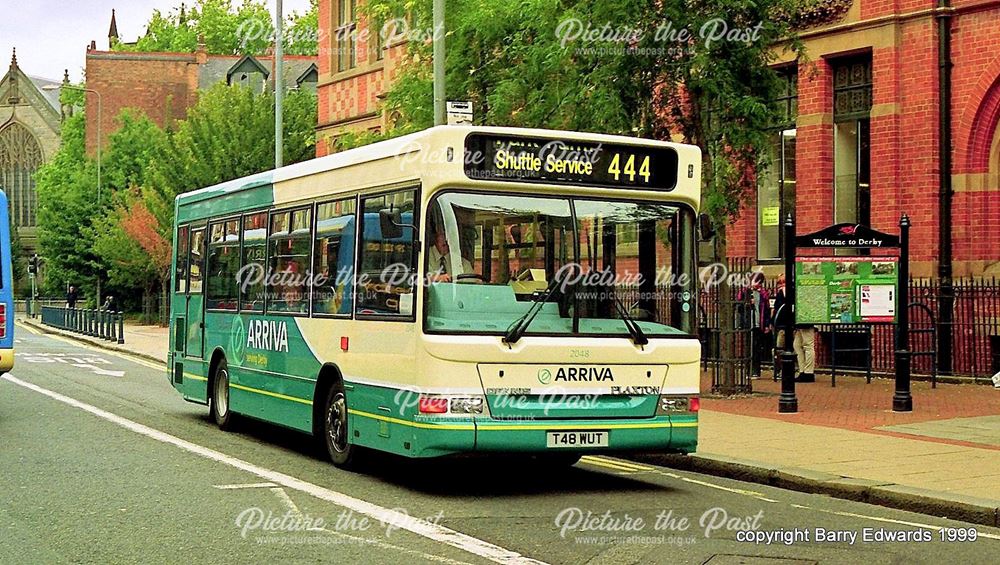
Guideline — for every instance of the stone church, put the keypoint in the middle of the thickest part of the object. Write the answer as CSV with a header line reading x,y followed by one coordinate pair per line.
x,y
30,119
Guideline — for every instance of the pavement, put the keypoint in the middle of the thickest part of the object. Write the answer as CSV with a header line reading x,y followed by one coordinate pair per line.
x,y
943,458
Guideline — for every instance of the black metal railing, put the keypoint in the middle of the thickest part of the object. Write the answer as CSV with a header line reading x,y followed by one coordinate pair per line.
x,y
971,332
92,322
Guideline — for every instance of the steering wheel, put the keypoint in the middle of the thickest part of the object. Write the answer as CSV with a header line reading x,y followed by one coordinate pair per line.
x,y
470,277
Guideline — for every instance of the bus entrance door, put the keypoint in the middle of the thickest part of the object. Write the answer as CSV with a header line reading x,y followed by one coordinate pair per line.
x,y
195,311
195,327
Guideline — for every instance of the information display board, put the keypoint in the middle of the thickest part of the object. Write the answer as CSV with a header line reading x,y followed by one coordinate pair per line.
x,y
845,290
563,161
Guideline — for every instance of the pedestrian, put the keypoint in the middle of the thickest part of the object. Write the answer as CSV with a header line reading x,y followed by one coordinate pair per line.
x,y
803,339
109,304
71,297
756,304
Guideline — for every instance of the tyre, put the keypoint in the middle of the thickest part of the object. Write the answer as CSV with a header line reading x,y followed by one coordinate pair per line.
x,y
336,430
219,399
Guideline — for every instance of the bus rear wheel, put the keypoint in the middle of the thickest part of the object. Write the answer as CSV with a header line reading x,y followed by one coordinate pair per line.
x,y
336,430
219,399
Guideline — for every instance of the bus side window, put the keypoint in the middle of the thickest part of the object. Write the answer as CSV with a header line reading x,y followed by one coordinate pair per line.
x,y
289,246
386,266
181,260
253,267
333,258
223,264
197,260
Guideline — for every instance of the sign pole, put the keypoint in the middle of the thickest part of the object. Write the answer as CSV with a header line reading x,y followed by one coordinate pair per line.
x,y
787,402
902,401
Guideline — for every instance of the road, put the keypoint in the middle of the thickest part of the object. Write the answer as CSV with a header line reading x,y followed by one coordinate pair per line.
x,y
102,462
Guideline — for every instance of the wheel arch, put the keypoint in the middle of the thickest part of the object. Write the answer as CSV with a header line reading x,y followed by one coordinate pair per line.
x,y
329,374
217,355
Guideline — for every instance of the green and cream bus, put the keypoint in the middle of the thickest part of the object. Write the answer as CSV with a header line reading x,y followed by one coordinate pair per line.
x,y
457,290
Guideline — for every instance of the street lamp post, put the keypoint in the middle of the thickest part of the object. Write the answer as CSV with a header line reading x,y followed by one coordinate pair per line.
x,y
279,88
51,87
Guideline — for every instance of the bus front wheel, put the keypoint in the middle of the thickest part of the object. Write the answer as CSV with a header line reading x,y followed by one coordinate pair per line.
x,y
336,430
219,403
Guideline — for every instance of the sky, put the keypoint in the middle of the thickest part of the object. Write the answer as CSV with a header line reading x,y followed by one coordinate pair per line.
x,y
52,35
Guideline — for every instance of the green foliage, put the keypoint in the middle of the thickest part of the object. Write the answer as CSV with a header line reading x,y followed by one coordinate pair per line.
x,y
246,29
610,66
229,133
67,204
302,31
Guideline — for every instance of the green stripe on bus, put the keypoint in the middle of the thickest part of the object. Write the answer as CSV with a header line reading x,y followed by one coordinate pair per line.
x,y
409,423
269,393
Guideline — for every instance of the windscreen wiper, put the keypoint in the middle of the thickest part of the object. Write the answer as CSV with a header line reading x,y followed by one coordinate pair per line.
x,y
517,329
638,337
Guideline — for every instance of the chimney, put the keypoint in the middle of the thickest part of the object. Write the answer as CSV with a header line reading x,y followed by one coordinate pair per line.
x,y
201,54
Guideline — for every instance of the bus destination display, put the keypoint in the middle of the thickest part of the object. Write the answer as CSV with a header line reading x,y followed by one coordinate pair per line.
x,y
493,157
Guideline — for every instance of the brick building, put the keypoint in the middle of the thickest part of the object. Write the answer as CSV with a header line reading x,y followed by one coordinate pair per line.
x,y
355,69
165,85
861,137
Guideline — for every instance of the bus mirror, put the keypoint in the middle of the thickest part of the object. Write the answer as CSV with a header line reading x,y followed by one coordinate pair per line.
x,y
706,231
390,222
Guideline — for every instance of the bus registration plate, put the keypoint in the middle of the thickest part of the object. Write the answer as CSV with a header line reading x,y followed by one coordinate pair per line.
x,y
597,438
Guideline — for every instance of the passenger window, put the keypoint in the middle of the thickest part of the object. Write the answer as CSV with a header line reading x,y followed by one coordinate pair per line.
x,y
333,263
289,246
181,260
223,264
197,260
387,261
254,267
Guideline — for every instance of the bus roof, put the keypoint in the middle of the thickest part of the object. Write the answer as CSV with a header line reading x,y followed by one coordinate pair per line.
x,y
439,136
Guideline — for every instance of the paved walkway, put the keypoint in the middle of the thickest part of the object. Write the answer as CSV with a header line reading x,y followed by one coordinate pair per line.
x,y
844,440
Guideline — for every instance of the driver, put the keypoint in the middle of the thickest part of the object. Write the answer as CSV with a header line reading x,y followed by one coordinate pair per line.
x,y
439,263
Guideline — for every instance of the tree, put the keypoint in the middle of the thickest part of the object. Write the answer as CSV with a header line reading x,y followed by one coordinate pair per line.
x,y
697,70
244,30
67,204
302,31
127,267
228,134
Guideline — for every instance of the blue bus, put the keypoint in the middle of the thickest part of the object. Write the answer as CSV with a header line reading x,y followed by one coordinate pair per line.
x,y
6,290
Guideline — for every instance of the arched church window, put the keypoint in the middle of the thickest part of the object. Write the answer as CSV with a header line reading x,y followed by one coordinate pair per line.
x,y
20,159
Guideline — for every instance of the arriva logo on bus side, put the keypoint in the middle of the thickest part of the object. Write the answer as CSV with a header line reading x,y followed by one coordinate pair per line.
x,y
269,335
544,376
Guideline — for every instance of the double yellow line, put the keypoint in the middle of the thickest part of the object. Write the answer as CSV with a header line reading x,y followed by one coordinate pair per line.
x,y
616,464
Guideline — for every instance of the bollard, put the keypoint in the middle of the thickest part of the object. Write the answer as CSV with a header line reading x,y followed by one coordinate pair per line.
x,y
902,400
788,403
112,329
121,327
